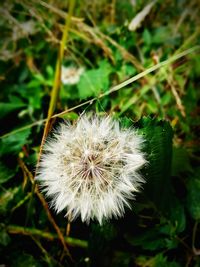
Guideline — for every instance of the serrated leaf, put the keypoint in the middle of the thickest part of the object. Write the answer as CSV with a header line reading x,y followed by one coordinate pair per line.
x,y
158,135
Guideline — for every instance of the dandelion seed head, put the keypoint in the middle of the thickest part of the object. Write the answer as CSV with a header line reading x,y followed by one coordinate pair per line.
x,y
92,168
71,75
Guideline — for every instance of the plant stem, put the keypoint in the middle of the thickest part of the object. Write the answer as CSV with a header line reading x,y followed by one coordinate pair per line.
x,y
15,229
57,79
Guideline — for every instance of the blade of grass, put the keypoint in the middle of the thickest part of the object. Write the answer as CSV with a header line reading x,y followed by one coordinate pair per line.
x,y
57,79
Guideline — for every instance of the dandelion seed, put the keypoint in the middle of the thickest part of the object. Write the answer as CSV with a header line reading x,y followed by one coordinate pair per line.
x,y
71,75
92,168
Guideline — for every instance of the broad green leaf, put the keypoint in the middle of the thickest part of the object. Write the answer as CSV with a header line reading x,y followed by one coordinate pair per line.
x,y
158,148
180,161
92,82
13,144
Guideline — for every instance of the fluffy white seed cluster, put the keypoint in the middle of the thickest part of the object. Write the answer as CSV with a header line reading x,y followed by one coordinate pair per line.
x,y
91,168
71,75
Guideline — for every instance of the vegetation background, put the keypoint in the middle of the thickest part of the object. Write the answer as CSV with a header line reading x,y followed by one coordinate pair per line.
x,y
101,44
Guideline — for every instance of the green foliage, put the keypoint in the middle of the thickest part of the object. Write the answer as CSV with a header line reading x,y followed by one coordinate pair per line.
x,y
94,81
4,236
163,106
5,173
158,136
193,197
158,261
25,259
13,144
6,108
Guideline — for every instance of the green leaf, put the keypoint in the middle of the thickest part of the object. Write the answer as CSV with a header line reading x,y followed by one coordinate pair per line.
x,y
157,261
6,197
161,261
193,197
180,161
13,144
5,173
24,259
149,239
158,148
177,215
147,37
100,243
6,108
92,82
4,237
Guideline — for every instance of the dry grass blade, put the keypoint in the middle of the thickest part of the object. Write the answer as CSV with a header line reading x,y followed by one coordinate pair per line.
x,y
137,20
58,11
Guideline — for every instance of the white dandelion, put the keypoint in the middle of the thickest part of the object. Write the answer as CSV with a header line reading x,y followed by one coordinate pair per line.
x,y
92,168
71,75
